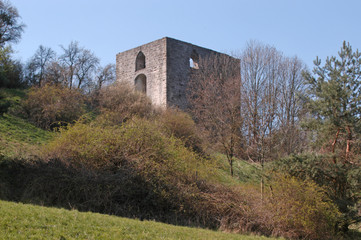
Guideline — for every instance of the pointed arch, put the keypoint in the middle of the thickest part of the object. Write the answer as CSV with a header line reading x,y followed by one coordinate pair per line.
x,y
140,61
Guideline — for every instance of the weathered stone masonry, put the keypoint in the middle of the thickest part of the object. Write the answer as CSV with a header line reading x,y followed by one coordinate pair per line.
x,y
162,69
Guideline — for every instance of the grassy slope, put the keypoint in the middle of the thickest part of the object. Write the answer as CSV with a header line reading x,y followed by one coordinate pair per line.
x,y
17,136
24,221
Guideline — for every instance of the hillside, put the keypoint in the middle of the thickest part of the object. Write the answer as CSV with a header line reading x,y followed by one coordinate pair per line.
x,y
17,136
25,221
135,162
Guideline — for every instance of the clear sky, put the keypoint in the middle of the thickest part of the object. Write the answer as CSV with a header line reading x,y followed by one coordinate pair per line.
x,y
306,28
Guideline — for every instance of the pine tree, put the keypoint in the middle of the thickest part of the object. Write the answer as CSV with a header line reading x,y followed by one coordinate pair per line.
x,y
335,101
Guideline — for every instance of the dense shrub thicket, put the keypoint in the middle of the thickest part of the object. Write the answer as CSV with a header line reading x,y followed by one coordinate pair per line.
x,y
51,106
290,208
183,183
179,124
119,102
341,181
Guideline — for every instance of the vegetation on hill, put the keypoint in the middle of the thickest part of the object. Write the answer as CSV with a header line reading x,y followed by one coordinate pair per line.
x,y
18,137
156,166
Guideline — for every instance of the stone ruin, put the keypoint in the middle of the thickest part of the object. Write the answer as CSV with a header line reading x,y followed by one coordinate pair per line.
x,y
162,69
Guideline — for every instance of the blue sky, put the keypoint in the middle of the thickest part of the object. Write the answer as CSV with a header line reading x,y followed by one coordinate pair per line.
x,y
306,28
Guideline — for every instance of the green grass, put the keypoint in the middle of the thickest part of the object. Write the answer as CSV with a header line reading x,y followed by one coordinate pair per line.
x,y
17,136
18,130
243,171
25,221
13,94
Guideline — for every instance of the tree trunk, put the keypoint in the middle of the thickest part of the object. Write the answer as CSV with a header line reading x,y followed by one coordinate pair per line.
x,y
230,161
334,144
348,146
231,168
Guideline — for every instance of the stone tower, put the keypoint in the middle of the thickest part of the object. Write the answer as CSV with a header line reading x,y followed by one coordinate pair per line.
x,y
161,69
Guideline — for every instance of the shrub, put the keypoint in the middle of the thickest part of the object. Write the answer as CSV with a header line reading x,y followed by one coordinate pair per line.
x,y
169,169
181,125
139,142
289,207
120,102
342,181
137,170
50,106
299,209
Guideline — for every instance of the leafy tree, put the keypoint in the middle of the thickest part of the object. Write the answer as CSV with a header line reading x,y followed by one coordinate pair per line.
x,y
10,70
335,100
10,28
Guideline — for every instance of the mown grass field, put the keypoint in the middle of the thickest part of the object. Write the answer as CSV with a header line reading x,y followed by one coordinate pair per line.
x,y
25,221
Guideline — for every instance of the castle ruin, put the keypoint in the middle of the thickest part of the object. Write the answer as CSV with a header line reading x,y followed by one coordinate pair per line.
x,y
162,69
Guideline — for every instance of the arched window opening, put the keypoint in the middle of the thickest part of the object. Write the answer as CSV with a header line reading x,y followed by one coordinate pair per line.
x,y
140,83
193,60
140,61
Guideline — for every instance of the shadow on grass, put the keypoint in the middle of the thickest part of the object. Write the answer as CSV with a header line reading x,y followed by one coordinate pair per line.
x,y
120,192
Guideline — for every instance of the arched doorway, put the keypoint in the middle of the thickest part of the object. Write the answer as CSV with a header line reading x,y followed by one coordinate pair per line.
x,y
140,83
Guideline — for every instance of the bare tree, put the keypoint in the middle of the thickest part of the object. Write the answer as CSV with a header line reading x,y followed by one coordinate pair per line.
x,y
56,73
291,107
270,83
260,91
36,68
214,96
105,75
271,89
87,65
80,64
70,58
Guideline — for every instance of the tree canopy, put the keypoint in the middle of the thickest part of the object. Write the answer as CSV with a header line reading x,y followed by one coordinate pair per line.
x,y
10,27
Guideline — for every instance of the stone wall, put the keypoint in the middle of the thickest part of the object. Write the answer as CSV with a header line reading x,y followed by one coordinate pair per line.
x,y
154,71
167,69
179,70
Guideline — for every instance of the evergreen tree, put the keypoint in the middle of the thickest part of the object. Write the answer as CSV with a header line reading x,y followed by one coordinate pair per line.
x,y
335,101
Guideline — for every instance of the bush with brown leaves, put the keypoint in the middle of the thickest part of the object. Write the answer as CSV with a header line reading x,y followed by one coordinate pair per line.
x,y
51,106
